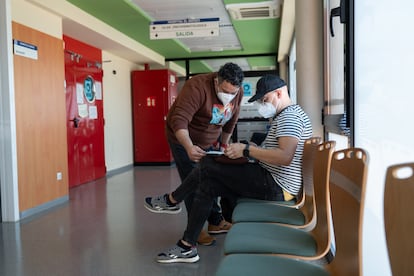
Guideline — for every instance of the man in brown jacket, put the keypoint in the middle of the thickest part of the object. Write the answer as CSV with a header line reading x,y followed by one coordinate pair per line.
x,y
203,118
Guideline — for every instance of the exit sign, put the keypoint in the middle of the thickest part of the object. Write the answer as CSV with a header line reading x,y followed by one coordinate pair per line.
x,y
184,28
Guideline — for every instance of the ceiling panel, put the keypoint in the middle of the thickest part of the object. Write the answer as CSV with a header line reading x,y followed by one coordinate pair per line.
x,y
251,37
187,9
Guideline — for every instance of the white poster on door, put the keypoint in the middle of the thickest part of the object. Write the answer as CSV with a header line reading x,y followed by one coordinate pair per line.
x,y
79,93
98,90
93,112
83,110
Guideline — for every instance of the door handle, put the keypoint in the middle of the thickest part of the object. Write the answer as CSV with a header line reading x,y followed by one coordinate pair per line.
x,y
75,121
338,11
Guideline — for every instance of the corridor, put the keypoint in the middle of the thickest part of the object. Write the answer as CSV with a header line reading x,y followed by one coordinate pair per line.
x,y
104,229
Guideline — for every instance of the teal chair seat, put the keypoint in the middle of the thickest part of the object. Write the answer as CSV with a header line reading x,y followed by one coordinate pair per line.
x,y
268,238
265,265
267,212
283,203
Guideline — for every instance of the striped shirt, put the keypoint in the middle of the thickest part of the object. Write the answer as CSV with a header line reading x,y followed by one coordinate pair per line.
x,y
294,122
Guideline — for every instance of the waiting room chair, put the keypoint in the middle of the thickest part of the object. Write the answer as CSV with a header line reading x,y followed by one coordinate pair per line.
x,y
347,182
271,238
398,217
298,201
273,212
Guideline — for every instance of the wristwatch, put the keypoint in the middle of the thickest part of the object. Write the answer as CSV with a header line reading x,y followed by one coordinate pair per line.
x,y
246,151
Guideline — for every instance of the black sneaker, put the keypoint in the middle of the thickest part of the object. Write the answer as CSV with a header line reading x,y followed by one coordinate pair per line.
x,y
159,205
178,254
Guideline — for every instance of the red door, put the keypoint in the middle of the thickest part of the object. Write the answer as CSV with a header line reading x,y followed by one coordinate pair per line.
x,y
84,109
153,93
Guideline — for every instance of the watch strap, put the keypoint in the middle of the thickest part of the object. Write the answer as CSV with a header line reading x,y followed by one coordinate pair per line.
x,y
246,151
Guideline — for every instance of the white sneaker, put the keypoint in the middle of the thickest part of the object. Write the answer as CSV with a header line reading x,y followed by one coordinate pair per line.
x,y
159,205
177,254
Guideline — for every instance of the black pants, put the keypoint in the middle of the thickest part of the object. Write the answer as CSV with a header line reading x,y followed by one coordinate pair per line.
x,y
211,180
184,166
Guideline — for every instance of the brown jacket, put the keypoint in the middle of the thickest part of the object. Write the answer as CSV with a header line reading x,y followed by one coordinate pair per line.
x,y
198,109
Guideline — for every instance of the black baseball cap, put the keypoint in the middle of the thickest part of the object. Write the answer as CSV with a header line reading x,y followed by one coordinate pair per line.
x,y
266,84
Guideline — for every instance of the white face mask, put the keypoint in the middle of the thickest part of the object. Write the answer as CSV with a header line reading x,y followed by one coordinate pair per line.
x,y
225,98
267,110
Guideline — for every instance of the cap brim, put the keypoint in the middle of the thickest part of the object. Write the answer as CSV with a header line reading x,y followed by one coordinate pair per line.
x,y
254,98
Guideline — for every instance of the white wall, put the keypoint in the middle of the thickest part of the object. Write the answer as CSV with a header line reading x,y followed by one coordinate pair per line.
x,y
36,18
384,100
8,151
117,111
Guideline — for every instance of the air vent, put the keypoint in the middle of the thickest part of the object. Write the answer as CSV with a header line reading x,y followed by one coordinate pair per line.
x,y
257,10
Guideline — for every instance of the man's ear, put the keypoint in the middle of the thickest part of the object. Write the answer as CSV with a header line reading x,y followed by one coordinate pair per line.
x,y
278,93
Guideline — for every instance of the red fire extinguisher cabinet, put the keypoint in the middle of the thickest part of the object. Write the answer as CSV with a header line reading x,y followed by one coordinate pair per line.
x,y
153,92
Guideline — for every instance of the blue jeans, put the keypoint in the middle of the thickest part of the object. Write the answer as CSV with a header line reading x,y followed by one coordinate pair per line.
x,y
211,179
184,166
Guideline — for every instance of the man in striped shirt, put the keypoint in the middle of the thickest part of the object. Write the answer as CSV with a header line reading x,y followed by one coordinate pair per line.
x,y
276,175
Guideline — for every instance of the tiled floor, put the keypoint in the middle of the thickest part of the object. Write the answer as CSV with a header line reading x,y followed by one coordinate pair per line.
x,y
103,230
